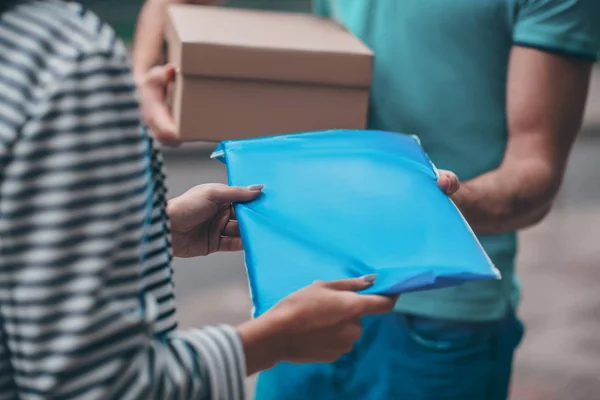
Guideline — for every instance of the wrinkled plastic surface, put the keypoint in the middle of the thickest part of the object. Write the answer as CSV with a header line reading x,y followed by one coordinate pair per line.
x,y
340,204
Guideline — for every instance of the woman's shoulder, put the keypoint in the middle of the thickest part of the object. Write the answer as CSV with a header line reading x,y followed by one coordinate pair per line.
x,y
76,31
50,37
46,44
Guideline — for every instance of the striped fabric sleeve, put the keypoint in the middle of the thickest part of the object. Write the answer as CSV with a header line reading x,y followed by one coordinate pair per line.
x,y
75,321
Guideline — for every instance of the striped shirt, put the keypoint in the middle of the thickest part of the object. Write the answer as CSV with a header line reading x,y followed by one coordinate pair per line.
x,y
86,292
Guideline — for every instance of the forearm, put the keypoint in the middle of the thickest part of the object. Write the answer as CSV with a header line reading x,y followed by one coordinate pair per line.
x,y
111,354
192,364
149,36
546,96
511,197
261,347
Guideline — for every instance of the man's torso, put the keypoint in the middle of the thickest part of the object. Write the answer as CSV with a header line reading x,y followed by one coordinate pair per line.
x,y
440,74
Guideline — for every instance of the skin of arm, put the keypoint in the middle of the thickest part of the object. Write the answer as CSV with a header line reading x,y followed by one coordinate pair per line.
x,y
546,95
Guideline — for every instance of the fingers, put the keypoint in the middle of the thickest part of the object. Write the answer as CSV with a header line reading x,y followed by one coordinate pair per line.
x,y
156,112
232,228
221,194
353,284
215,230
342,339
360,304
448,182
224,234
230,244
160,76
375,304
162,125
349,332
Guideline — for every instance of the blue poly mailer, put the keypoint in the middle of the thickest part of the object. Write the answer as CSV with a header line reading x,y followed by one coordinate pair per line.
x,y
347,203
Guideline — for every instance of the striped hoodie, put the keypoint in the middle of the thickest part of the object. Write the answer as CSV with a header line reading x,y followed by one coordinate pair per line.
x,y
87,307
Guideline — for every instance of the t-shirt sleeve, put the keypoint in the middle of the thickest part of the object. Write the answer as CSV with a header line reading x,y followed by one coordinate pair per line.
x,y
569,27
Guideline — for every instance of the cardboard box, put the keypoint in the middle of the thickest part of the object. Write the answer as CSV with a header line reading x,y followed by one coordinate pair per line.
x,y
244,73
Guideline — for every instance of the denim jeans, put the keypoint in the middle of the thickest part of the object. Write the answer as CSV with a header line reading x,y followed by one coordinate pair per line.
x,y
407,357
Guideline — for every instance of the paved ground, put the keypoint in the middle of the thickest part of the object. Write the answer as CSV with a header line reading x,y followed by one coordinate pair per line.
x,y
559,265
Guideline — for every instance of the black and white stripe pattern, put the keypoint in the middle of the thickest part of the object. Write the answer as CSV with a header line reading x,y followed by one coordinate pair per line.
x,y
86,293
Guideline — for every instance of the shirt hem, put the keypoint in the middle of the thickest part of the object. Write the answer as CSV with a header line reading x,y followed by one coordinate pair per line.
x,y
568,46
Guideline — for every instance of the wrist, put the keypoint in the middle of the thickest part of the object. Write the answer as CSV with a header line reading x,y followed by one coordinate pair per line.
x,y
261,339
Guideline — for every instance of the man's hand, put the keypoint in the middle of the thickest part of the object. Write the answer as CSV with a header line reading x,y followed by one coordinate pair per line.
x,y
316,324
448,182
149,35
152,82
203,221
152,88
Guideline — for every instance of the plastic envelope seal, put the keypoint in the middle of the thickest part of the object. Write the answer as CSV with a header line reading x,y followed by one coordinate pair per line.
x,y
346,203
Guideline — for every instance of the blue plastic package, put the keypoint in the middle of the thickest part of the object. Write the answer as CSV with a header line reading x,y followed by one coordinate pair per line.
x,y
347,203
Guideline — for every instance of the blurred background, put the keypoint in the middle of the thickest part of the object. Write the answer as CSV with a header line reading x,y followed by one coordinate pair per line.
x,y
123,13
559,260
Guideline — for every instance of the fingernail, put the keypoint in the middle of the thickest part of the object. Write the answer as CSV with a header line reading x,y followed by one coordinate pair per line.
x,y
369,278
256,187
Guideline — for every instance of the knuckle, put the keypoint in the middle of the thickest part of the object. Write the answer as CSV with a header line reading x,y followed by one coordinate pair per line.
x,y
355,308
210,191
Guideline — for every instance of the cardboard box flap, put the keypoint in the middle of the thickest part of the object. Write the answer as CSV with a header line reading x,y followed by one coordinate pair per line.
x,y
265,45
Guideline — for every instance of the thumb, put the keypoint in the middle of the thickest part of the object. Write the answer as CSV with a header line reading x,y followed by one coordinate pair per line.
x,y
352,284
161,75
223,194
448,182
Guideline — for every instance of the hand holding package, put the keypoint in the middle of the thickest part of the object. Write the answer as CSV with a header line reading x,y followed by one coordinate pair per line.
x,y
341,204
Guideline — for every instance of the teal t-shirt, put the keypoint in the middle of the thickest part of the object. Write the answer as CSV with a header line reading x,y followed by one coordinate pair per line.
x,y
440,73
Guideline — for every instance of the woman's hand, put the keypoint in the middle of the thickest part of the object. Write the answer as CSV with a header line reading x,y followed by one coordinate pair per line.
x,y
319,323
203,221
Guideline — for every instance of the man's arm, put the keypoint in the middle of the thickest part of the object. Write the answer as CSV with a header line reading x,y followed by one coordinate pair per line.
x,y
149,36
546,95
152,80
